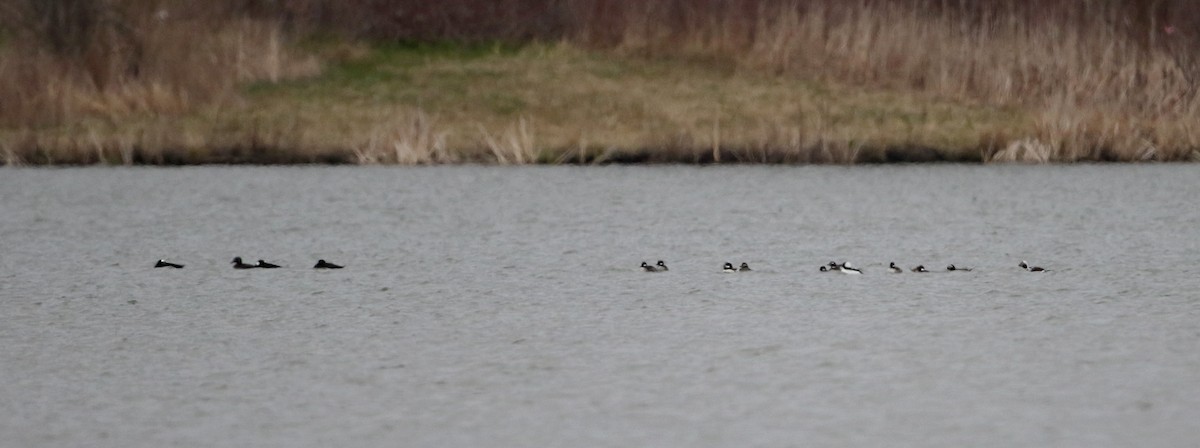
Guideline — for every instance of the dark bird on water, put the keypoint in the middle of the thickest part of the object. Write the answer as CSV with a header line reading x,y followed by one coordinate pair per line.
x,y
1029,268
322,264
237,264
265,265
167,264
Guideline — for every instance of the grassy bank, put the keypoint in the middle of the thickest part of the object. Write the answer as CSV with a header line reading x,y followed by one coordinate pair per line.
x,y
693,82
534,104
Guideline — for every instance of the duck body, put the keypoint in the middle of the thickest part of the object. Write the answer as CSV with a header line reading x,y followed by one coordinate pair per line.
x,y
661,266
237,264
322,264
648,268
894,269
167,264
745,267
728,268
845,268
920,268
956,268
265,265
1029,268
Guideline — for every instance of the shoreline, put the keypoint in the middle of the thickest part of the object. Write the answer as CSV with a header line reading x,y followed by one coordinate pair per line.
x,y
698,157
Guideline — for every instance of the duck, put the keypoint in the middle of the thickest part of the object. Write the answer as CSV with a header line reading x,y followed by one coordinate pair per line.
x,y
648,268
894,269
166,264
956,268
919,268
728,268
744,267
265,265
1029,268
661,266
237,264
847,269
825,269
322,264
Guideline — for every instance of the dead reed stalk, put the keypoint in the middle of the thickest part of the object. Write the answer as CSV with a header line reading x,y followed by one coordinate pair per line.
x,y
411,139
514,147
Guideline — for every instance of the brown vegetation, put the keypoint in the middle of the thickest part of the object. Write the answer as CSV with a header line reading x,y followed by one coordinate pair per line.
x,y
1096,79
1105,80
70,60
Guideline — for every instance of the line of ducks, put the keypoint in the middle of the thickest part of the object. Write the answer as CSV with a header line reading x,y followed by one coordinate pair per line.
x,y
843,267
239,264
662,267
846,268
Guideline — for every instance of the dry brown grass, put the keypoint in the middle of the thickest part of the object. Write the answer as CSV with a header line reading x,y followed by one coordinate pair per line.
x,y
411,138
136,58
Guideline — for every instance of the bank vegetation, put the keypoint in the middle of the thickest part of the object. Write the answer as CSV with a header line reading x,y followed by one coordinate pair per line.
x,y
597,81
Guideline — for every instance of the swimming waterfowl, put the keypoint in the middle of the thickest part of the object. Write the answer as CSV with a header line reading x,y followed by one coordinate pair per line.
x,y
845,268
744,267
894,269
322,264
825,268
265,265
728,268
648,268
1029,268
919,268
167,264
955,268
661,266
237,264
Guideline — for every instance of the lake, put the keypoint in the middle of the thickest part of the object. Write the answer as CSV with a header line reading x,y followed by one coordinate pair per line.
x,y
504,307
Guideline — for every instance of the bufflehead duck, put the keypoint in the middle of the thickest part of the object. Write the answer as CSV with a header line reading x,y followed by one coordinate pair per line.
x,y
744,267
265,265
1029,268
919,268
894,269
237,264
728,268
322,264
648,268
825,269
847,269
661,266
167,264
955,268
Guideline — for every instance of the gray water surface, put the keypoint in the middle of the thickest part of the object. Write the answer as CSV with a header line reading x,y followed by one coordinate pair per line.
x,y
504,307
